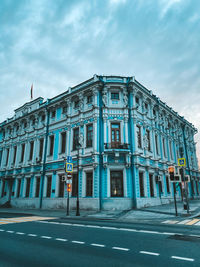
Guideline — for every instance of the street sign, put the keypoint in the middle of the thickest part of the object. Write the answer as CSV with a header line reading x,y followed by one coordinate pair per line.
x,y
69,167
69,159
181,162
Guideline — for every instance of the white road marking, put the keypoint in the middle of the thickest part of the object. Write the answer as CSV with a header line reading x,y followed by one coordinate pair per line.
x,y
66,223
97,245
20,233
47,237
93,226
108,227
43,222
1,230
55,222
195,236
166,233
10,232
183,222
119,248
127,229
182,258
148,232
81,225
78,242
149,253
61,239
32,235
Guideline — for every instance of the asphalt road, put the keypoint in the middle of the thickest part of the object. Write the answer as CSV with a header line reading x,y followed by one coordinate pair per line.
x,y
68,242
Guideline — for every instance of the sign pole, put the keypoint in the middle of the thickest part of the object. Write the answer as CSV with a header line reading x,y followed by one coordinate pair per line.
x,y
67,203
174,186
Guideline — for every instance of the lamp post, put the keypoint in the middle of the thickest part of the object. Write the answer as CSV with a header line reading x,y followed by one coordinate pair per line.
x,y
79,145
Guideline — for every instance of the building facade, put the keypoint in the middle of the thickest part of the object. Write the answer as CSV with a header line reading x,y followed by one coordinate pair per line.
x,y
122,139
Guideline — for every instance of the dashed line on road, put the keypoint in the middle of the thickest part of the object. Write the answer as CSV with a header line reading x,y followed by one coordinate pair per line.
x,y
119,248
149,253
182,258
61,239
10,232
97,245
78,242
20,233
46,237
32,235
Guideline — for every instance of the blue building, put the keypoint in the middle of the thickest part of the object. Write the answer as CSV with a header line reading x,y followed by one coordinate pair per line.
x,y
122,139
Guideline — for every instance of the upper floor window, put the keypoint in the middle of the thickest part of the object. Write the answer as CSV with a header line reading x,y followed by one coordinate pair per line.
x,y
89,99
146,106
148,140
64,109
63,142
15,153
156,141
115,96
22,152
25,124
137,100
53,114
115,135
41,148
170,149
164,151
89,135
33,122
139,137
31,150
43,118
7,156
51,145
76,103
75,138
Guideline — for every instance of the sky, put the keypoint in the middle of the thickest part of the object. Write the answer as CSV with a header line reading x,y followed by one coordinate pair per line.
x,y
58,44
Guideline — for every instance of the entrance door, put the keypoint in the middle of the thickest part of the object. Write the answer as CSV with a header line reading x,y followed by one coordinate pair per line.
x,y
116,181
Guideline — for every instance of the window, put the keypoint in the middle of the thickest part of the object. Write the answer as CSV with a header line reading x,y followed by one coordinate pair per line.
x,y
22,152
41,148
31,150
7,156
25,125
37,187
115,96
137,101
28,183
3,188
115,135
148,140
151,185
89,184
141,181
51,145
61,187
146,106
197,186
167,184
53,114
170,148
156,141
43,118
19,187
33,122
89,99
49,179
63,142
89,137
64,110
139,139
74,184
14,156
75,138
116,183
0,156
164,152
76,103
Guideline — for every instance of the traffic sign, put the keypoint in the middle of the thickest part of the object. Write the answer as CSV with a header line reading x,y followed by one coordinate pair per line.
x,y
69,175
69,167
181,162
69,159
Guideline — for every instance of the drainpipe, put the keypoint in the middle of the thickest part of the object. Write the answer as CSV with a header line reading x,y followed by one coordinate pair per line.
x,y
101,144
44,158
131,138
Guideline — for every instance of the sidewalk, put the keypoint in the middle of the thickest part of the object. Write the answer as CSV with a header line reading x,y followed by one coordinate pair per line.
x,y
151,213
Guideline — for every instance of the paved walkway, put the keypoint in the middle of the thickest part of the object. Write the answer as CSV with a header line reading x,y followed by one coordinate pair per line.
x,y
161,212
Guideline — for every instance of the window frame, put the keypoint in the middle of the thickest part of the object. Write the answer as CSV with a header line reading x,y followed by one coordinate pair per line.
x,y
89,135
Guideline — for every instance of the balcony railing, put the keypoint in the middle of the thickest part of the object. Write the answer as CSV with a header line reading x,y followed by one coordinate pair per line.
x,y
116,145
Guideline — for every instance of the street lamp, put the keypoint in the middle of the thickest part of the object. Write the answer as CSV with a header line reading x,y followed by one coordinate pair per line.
x,y
79,144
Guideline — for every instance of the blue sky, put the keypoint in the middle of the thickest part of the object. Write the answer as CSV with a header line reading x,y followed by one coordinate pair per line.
x,y
57,44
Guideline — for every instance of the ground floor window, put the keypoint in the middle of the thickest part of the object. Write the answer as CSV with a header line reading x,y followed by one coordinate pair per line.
x,y
19,187
3,187
28,183
37,187
49,180
116,184
141,181
74,184
192,187
89,184
151,183
61,186
167,184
